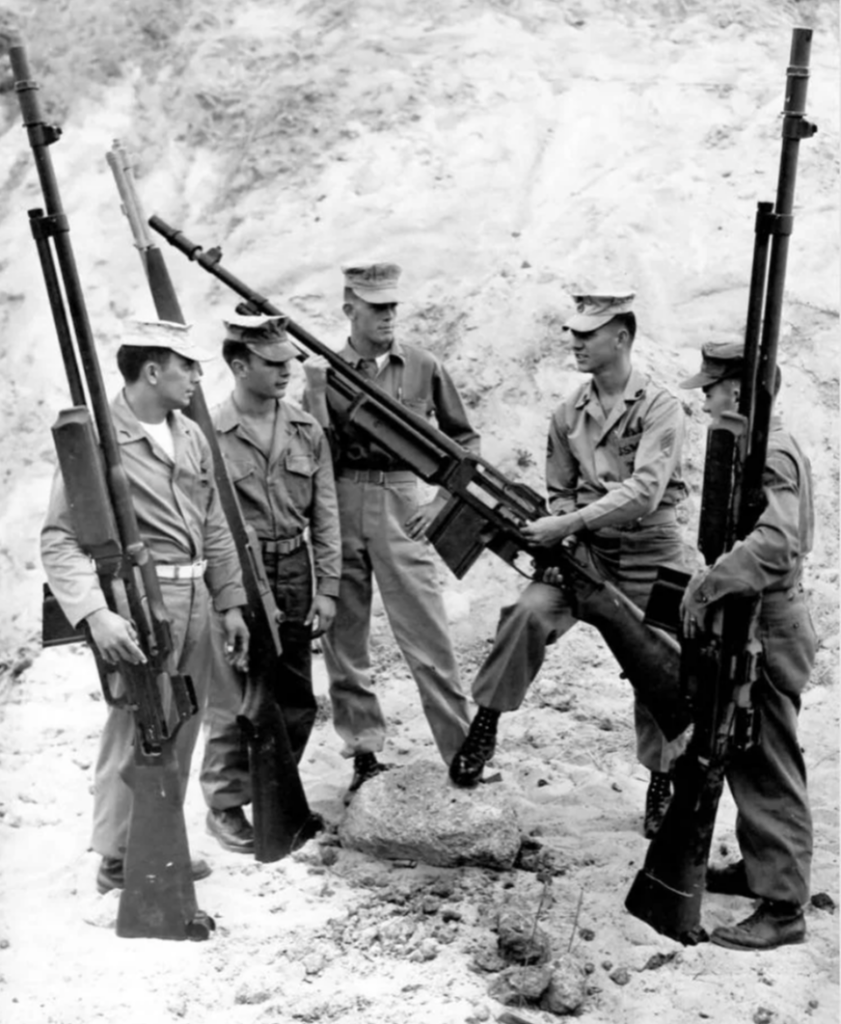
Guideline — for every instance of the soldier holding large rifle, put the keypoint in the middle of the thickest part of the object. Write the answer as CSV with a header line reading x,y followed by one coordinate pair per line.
x,y
748,644
768,778
279,463
168,465
614,481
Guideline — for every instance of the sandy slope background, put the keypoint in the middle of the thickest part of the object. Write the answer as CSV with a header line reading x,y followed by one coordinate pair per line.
x,y
503,152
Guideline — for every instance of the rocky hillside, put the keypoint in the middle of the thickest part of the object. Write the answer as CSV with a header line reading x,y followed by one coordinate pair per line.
x,y
503,151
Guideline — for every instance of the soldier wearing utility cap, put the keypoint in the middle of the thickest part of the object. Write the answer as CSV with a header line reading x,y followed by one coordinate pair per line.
x,y
768,782
170,470
383,529
279,463
613,480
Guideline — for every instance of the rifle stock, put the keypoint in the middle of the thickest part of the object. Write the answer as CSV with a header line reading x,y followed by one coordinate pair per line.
x,y
158,900
720,669
485,510
282,817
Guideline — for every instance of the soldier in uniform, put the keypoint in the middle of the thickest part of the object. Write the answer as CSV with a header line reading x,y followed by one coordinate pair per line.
x,y
768,781
383,528
613,480
279,463
169,466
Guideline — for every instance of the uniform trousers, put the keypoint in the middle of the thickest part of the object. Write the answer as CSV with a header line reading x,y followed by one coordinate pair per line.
x,y
188,604
542,615
225,777
375,545
768,781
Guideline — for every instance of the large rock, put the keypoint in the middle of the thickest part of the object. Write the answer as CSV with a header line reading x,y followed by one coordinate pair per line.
x,y
416,812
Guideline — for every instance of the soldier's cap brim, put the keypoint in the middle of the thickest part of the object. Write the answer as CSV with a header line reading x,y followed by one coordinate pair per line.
x,y
706,379
167,335
377,296
586,323
274,351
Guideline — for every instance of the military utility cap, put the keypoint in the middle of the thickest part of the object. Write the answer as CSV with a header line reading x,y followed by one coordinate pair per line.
x,y
720,360
373,282
595,310
265,336
165,334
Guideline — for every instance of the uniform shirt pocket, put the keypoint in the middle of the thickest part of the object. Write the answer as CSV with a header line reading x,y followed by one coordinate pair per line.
x,y
419,406
296,479
299,464
245,478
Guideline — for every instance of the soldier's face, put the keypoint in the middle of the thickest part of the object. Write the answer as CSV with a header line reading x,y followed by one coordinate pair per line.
x,y
721,397
599,349
266,379
176,381
372,322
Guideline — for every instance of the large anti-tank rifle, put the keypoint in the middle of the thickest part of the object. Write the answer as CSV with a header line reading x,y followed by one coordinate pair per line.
x,y
158,900
720,667
486,510
282,817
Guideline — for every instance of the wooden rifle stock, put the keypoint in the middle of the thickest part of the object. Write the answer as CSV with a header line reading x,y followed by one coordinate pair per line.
x,y
158,900
281,814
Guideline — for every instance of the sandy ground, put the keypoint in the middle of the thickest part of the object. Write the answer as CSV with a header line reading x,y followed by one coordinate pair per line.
x,y
503,152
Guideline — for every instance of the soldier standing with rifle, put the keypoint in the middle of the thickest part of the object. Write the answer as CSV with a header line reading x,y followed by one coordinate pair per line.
x,y
279,463
168,464
613,477
767,780
383,529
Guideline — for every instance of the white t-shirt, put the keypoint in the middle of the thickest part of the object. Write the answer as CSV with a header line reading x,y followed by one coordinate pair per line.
x,y
162,434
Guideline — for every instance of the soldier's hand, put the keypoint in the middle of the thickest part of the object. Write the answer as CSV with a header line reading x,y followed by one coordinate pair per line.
x,y
419,522
553,576
550,530
315,370
694,606
115,637
236,639
322,615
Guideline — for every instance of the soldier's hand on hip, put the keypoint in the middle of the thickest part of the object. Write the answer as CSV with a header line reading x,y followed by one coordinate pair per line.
x,y
115,637
419,522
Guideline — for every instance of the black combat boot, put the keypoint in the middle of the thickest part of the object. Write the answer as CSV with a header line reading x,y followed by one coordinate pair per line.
x,y
365,766
478,748
772,924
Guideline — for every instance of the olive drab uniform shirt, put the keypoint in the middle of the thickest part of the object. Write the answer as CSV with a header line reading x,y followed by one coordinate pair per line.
x,y
290,490
418,381
771,557
178,513
620,468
